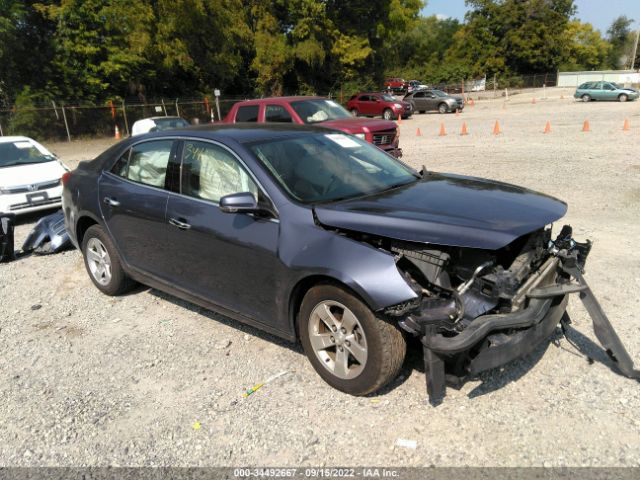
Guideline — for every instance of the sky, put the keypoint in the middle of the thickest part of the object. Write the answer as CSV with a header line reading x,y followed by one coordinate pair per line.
x,y
600,13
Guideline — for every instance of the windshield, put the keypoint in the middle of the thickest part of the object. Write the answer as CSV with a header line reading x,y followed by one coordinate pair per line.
x,y
389,98
318,168
440,93
320,110
22,152
617,85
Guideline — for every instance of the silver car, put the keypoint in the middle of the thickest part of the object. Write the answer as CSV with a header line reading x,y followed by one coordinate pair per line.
x,y
433,99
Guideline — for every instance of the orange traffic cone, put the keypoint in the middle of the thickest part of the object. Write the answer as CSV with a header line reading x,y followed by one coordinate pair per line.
x,y
117,134
399,119
443,132
585,126
472,102
626,127
457,112
496,128
418,132
533,100
561,97
463,130
547,127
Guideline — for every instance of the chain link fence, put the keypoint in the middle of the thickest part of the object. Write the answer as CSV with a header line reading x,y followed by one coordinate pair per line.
x,y
66,122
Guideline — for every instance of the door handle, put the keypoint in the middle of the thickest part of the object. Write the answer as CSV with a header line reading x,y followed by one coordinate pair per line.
x,y
111,202
179,224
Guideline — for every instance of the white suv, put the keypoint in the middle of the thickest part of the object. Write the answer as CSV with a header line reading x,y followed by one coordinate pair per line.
x,y
29,176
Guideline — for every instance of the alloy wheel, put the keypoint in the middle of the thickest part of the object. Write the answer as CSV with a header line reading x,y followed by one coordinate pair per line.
x,y
99,261
338,339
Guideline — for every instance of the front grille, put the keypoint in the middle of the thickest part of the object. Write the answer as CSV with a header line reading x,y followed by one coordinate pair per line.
x,y
384,138
33,187
22,206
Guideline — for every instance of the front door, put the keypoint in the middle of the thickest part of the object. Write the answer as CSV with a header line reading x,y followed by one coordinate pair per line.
x,y
230,259
133,199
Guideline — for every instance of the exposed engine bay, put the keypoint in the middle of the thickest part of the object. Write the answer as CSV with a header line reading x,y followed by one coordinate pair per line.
x,y
478,309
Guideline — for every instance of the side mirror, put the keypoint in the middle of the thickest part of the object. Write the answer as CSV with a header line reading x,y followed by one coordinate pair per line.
x,y
243,202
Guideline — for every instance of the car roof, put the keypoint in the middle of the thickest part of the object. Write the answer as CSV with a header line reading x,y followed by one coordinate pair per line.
x,y
240,132
257,101
15,139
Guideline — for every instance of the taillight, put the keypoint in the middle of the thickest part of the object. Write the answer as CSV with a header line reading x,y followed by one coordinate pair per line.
x,y
65,178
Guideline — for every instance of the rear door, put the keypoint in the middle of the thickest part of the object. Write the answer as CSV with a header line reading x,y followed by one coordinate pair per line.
x,y
597,92
133,198
419,101
365,105
230,259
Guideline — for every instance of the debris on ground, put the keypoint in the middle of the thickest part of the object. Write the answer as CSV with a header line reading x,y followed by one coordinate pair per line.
x,y
258,386
404,443
48,236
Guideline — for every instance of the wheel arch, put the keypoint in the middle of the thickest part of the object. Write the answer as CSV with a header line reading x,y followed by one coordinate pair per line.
x,y
307,283
82,225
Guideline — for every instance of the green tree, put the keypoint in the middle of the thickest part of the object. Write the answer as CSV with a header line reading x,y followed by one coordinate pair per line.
x,y
521,36
100,46
620,36
585,48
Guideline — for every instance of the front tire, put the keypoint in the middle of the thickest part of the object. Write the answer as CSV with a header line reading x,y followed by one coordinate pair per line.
x,y
623,97
103,264
443,108
347,345
387,114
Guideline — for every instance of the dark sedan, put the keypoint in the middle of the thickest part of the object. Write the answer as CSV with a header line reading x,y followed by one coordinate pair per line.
x,y
318,236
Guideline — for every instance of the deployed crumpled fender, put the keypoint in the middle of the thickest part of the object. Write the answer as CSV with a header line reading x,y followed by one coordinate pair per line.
x,y
48,236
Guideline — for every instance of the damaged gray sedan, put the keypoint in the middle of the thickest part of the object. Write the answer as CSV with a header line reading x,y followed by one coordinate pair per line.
x,y
319,237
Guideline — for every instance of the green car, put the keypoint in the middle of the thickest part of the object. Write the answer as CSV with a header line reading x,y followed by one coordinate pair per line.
x,y
605,91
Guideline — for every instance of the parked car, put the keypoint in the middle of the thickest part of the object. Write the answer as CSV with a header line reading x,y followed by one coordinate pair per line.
x,y
29,176
605,91
428,100
413,85
396,84
317,236
383,104
157,124
317,111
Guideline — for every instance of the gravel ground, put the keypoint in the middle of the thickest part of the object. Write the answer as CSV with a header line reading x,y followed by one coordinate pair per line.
x,y
146,379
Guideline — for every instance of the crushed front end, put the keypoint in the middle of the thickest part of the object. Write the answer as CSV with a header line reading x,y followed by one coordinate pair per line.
x,y
479,309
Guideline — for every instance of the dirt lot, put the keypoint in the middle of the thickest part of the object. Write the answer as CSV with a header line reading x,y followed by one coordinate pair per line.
x,y
147,379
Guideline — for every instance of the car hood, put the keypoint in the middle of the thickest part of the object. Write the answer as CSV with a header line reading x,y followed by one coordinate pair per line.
x,y
19,175
357,125
447,210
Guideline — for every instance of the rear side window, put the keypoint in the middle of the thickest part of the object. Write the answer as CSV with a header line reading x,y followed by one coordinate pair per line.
x,y
210,172
145,163
247,114
277,113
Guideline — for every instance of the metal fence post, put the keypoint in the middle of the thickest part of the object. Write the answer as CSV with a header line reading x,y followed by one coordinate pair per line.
x,y
66,125
164,107
124,114
1,132
177,109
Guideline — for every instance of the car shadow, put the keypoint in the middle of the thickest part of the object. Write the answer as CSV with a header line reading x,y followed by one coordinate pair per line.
x,y
491,380
211,315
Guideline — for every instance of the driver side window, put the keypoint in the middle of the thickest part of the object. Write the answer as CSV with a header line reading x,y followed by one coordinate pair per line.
x,y
210,172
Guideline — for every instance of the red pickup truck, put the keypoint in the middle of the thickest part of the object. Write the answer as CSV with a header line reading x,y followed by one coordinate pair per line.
x,y
317,111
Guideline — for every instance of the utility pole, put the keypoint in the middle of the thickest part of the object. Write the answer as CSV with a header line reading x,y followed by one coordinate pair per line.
x,y
635,50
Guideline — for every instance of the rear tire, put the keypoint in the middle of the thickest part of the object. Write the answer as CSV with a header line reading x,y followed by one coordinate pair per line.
x,y
623,97
373,350
387,114
586,98
443,108
103,264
